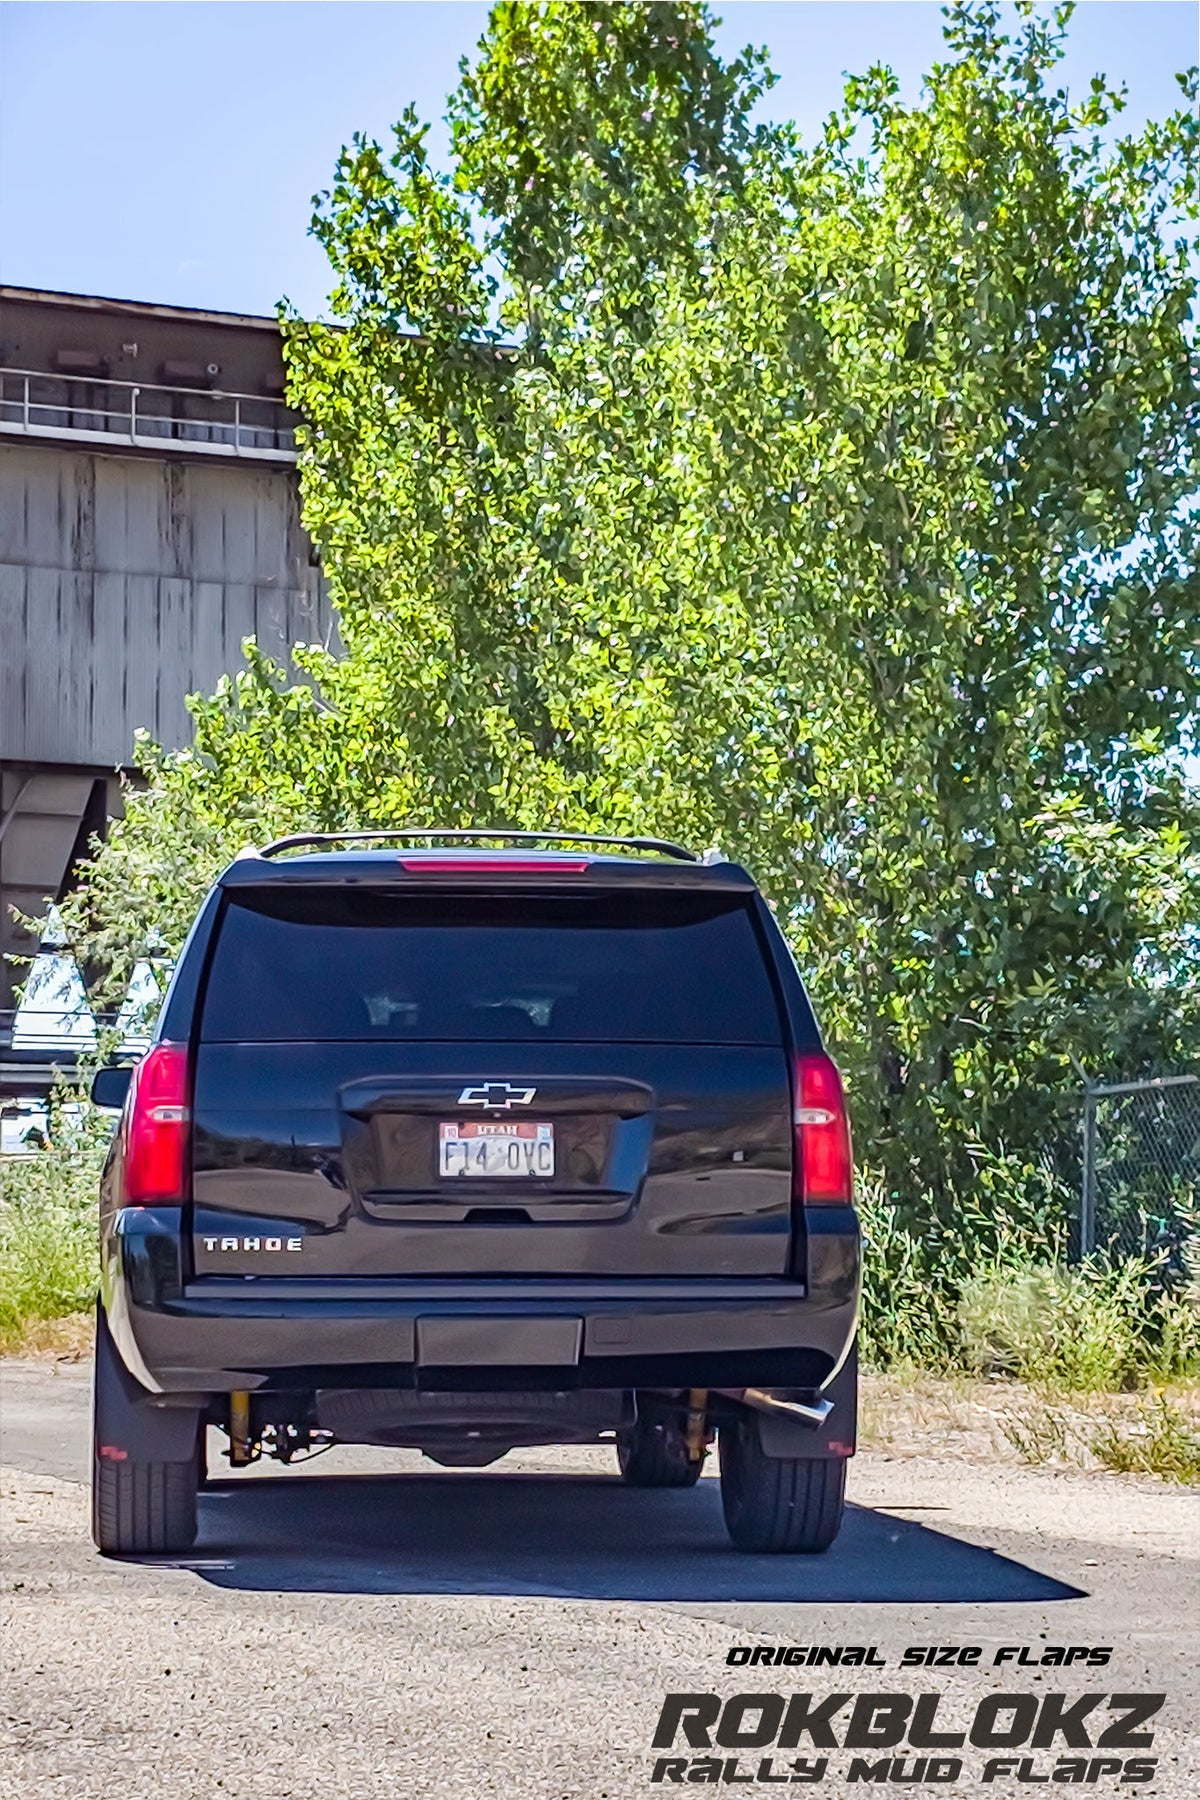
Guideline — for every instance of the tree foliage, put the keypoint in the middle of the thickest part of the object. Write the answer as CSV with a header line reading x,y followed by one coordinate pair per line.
x,y
834,501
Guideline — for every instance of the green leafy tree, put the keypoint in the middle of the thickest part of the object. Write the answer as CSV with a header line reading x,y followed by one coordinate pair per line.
x,y
835,501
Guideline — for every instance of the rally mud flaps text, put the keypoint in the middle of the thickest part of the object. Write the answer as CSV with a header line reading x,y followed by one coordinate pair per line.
x,y
1026,1738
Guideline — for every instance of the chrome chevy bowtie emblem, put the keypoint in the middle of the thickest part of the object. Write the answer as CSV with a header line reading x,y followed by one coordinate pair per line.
x,y
496,1093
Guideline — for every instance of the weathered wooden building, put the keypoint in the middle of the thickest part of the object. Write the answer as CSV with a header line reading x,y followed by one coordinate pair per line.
x,y
149,521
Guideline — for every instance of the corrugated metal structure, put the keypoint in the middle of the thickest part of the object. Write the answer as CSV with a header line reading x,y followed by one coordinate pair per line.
x,y
149,521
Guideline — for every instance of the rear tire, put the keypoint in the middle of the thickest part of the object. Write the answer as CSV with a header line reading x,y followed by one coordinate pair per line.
x,y
143,1508
653,1454
778,1504
141,1504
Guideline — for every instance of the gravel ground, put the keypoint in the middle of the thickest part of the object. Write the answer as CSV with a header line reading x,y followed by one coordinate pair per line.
x,y
377,1627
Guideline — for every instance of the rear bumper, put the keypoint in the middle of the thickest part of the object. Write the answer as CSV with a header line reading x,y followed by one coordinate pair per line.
x,y
218,1334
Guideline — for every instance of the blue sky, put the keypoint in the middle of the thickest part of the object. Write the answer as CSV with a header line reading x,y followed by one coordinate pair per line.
x,y
168,152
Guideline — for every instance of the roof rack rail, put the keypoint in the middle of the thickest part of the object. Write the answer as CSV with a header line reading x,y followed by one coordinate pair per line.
x,y
661,845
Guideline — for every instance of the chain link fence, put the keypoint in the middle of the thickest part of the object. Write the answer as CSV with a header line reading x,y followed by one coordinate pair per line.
x,y
1140,1174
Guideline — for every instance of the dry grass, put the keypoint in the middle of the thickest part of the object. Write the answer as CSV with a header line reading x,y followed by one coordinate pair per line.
x,y
52,1340
915,1413
974,1420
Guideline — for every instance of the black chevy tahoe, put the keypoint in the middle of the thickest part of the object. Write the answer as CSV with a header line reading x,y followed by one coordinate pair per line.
x,y
464,1148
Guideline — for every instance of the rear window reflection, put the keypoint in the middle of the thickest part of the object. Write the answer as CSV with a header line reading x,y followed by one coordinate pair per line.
x,y
376,965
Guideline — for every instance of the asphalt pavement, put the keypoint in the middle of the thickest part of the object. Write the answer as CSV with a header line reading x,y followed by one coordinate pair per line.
x,y
375,1626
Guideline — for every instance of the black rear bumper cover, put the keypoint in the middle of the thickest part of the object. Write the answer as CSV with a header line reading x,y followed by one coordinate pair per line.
x,y
218,1334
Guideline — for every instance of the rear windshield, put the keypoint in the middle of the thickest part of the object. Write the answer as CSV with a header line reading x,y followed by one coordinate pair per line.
x,y
312,964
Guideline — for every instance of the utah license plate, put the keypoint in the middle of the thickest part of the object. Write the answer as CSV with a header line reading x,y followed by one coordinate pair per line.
x,y
475,1147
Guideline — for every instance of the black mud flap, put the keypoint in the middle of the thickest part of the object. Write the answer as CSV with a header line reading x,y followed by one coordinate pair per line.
x,y
127,1423
784,1437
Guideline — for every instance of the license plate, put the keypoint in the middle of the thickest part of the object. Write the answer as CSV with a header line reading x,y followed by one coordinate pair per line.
x,y
481,1149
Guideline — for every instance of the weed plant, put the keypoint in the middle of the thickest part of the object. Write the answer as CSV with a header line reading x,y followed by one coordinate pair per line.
x,y
49,1266
994,1295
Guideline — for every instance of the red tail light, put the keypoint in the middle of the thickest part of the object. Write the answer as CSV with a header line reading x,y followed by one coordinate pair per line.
x,y
495,865
158,1127
822,1167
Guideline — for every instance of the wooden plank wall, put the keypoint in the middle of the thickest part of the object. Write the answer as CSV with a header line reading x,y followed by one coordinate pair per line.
x,y
127,583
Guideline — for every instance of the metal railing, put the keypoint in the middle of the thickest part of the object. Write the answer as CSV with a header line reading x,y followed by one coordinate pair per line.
x,y
149,416
41,1044
52,1027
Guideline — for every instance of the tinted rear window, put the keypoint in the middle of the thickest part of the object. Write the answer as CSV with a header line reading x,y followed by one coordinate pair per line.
x,y
313,964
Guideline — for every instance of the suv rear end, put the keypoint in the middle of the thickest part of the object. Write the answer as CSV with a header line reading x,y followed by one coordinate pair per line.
x,y
464,1148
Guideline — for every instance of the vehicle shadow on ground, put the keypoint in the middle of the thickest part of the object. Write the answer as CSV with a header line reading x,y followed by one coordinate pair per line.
x,y
570,1536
